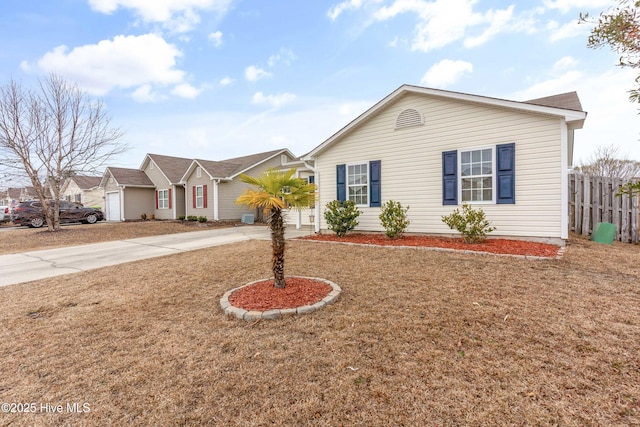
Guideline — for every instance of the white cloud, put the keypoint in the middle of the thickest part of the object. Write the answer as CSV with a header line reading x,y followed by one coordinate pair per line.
x,y
336,10
253,73
145,94
185,90
226,81
499,22
216,38
285,56
565,63
274,100
565,6
571,29
176,15
445,73
124,62
442,22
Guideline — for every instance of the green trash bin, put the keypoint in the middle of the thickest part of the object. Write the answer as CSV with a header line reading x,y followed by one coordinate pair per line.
x,y
604,232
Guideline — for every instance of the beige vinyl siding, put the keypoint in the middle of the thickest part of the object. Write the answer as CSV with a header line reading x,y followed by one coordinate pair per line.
x,y
412,163
87,198
138,201
179,205
192,181
162,183
229,191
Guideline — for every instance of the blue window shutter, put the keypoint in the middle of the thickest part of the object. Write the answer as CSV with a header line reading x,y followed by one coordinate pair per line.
x,y
375,189
341,182
506,173
450,177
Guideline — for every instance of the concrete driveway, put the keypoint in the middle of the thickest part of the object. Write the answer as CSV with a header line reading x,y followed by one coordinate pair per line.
x,y
36,265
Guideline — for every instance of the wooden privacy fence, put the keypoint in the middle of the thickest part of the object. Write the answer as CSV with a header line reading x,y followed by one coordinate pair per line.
x,y
593,199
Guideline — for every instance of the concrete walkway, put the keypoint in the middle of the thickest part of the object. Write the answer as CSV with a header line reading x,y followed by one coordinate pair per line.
x,y
36,265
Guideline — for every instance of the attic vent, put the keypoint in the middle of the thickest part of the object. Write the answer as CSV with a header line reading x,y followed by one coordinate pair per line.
x,y
408,118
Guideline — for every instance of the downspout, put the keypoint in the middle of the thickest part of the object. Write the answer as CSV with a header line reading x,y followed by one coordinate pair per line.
x,y
564,180
216,213
314,169
174,197
121,193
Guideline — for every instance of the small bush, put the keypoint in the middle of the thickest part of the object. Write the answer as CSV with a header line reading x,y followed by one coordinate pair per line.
x,y
202,219
192,218
341,217
394,219
152,217
181,218
143,217
471,223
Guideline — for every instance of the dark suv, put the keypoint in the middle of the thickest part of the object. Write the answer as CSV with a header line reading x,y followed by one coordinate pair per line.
x,y
30,213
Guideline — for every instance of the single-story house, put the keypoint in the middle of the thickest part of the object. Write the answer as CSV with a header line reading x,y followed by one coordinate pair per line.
x,y
13,195
128,193
212,187
173,187
165,172
83,189
433,150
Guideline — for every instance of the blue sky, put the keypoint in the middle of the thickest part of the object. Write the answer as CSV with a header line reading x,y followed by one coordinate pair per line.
x,y
216,79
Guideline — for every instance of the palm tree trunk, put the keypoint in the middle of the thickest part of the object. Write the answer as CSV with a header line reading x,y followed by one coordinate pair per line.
x,y
276,225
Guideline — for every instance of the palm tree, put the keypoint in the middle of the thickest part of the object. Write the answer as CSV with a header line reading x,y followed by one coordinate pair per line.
x,y
277,190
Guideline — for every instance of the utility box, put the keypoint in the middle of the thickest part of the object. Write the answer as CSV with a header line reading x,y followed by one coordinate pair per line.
x,y
247,218
604,232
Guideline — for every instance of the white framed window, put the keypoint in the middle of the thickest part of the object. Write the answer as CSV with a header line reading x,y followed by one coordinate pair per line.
x,y
199,196
477,176
163,199
358,183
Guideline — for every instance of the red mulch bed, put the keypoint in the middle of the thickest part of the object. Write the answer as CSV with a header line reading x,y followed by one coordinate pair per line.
x,y
263,296
494,246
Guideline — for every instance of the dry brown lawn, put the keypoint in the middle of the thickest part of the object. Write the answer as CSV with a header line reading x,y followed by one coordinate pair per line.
x,y
23,239
416,338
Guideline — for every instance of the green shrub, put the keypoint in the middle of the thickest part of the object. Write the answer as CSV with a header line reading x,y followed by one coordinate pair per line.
x,y
394,219
192,218
341,217
202,219
471,223
181,218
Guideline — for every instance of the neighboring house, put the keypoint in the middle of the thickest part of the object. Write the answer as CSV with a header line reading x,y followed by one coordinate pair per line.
x,y
83,189
212,187
128,193
13,196
165,173
434,150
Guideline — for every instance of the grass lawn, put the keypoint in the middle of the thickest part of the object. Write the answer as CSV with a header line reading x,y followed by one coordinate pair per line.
x,y
416,338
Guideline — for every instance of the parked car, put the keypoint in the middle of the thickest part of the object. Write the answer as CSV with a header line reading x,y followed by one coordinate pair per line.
x,y
5,214
30,213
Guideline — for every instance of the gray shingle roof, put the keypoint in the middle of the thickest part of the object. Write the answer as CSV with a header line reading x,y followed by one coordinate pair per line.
x,y
173,167
566,101
132,177
87,182
231,167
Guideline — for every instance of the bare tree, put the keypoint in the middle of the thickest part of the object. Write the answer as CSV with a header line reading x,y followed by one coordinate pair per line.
x,y
607,162
51,133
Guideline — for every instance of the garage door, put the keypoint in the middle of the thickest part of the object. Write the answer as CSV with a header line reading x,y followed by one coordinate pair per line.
x,y
113,207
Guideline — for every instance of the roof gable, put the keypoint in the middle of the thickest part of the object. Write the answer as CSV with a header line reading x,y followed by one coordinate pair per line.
x,y
128,177
173,168
230,168
86,182
554,105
